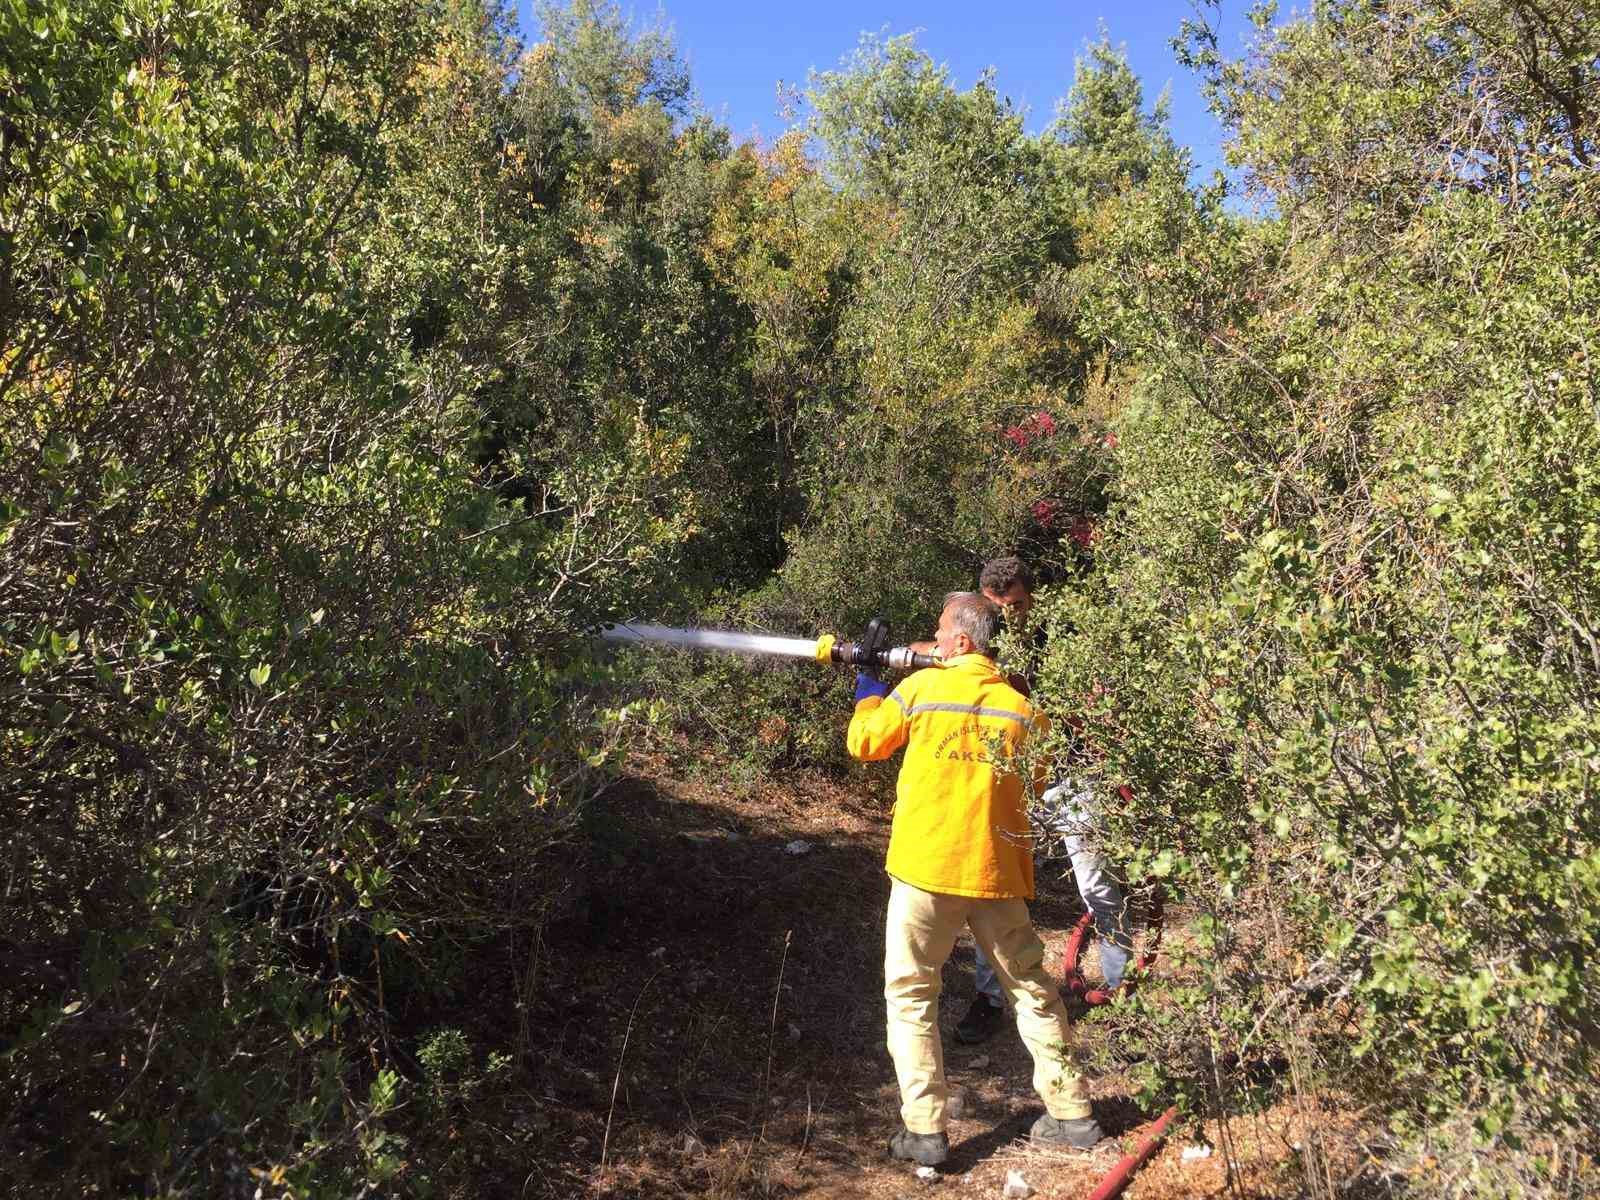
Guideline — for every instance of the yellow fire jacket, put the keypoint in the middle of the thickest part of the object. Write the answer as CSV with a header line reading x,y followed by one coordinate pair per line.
x,y
960,826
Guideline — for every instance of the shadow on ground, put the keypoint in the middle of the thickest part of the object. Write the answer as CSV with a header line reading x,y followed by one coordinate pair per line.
x,y
710,1020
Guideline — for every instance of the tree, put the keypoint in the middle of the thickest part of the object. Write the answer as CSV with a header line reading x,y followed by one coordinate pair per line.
x,y
282,648
912,478
1339,639
1110,142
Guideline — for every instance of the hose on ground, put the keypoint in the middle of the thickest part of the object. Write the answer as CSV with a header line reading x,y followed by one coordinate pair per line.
x,y
1117,1178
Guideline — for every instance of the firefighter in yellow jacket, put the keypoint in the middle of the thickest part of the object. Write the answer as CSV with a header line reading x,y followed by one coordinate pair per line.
x,y
961,854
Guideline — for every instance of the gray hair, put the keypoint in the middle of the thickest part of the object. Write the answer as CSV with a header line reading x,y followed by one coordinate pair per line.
x,y
975,615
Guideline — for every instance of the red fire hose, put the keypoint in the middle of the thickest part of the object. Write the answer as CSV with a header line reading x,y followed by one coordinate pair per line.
x,y
1074,982
1072,979
1117,1178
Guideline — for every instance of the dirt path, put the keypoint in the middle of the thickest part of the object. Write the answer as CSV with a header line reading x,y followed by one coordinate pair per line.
x,y
721,1026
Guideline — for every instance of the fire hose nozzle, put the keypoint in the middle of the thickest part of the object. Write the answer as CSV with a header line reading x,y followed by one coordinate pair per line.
x,y
872,652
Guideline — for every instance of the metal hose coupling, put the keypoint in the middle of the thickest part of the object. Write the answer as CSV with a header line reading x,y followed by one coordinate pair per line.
x,y
873,651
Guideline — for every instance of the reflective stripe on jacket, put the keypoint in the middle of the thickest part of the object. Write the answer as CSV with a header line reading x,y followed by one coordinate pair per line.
x,y
960,826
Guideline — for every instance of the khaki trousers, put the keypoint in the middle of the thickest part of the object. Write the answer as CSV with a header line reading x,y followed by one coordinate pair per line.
x,y
922,931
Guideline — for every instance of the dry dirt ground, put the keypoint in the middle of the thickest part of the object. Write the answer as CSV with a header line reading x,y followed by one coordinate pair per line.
x,y
719,1027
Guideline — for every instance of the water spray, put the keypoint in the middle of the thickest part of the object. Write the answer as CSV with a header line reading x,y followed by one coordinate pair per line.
x,y
871,653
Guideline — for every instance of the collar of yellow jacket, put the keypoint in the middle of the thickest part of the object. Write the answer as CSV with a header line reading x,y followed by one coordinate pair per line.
x,y
970,662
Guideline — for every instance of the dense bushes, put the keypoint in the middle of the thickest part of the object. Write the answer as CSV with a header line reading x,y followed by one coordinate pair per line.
x,y
1344,616
300,521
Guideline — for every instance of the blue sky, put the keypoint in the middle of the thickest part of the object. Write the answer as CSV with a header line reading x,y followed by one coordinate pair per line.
x,y
738,52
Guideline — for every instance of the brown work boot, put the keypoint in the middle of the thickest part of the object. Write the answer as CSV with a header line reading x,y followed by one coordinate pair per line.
x,y
1082,1133
929,1149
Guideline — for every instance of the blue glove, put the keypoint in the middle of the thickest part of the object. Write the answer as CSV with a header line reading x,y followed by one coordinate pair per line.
x,y
866,686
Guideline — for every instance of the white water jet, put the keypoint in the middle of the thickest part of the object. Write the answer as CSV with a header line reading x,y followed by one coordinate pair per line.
x,y
712,639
